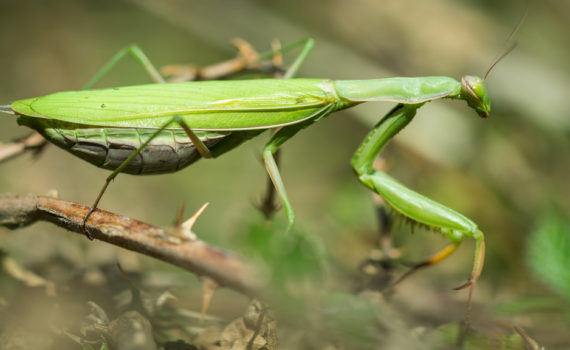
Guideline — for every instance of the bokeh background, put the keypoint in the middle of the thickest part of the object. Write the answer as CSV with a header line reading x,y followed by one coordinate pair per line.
x,y
508,173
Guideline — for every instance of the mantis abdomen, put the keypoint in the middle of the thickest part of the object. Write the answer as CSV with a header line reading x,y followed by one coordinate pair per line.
x,y
170,151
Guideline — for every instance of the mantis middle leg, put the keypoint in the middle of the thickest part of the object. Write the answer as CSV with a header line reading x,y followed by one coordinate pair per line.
x,y
270,153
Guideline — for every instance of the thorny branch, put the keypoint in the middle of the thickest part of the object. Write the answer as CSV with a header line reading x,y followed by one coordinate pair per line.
x,y
194,255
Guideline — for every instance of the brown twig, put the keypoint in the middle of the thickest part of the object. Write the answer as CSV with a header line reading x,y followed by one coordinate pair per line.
x,y
34,143
247,59
196,256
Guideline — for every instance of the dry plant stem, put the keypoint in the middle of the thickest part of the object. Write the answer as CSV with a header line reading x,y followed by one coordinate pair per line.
x,y
532,344
246,59
268,206
181,73
227,269
34,142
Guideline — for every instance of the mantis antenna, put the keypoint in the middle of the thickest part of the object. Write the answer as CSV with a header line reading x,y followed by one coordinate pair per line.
x,y
508,45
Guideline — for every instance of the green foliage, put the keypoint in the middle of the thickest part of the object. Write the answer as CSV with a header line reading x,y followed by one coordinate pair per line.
x,y
521,305
293,258
292,255
548,252
497,339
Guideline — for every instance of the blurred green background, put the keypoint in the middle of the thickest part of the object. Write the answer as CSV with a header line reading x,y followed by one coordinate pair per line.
x,y
508,173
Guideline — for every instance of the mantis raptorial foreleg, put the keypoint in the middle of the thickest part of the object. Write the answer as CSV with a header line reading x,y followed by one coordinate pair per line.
x,y
412,206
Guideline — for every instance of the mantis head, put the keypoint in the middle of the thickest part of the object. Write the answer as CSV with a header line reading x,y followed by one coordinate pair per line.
x,y
473,88
474,92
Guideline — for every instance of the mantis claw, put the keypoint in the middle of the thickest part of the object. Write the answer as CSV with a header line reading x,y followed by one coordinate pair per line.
x,y
465,285
84,224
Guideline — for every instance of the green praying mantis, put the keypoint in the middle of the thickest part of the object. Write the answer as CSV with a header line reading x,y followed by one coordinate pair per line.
x,y
162,128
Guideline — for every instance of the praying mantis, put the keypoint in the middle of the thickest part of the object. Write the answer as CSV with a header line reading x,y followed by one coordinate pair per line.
x,y
162,128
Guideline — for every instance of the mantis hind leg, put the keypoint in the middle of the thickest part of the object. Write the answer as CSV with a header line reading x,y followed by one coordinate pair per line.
x,y
137,53
200,147
133,51
412,205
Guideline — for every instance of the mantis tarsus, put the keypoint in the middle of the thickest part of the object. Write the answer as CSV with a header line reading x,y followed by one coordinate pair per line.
x,y
161,128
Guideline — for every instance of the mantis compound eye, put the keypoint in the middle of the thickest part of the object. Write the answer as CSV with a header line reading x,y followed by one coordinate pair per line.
x,y
475,93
